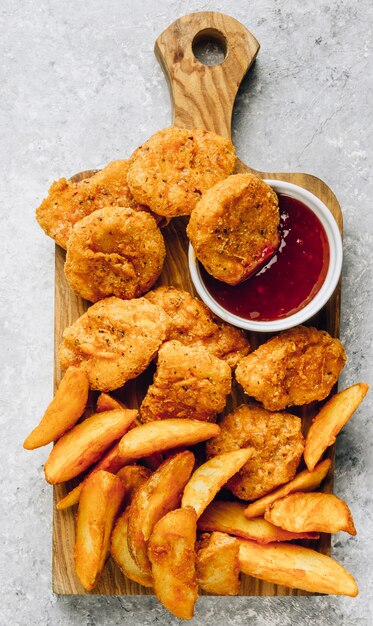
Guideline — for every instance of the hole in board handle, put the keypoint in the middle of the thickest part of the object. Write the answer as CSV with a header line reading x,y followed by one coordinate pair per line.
x,y
210,47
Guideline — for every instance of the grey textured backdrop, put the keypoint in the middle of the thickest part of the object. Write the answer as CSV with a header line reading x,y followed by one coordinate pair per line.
x,y
80,86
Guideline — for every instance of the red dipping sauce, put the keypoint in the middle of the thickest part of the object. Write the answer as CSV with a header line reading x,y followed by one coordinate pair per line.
x,y
290,279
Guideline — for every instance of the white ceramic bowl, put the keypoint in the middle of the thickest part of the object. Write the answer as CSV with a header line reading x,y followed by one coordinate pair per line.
x,y
322,296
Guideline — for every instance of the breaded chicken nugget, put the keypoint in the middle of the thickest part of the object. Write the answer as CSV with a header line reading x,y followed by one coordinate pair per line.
x,y
192,323
115,251
296,367
189,383
114,341
171,170
278,443
68,201
234,227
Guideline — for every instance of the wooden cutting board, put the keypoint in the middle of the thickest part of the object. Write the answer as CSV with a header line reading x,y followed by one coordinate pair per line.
x,y
202,97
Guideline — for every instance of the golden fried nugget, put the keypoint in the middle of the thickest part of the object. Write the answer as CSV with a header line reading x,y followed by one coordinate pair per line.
x,y
278,446
172,169
190,382
115,251
114,341
234,227
192,323
296,367
68,201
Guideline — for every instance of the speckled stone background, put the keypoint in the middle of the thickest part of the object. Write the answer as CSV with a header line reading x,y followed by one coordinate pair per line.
x,y
79,87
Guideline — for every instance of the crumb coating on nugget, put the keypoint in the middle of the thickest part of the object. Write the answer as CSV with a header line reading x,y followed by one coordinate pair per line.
x,y
294,368
68,201
114,341
278,447
172,169
114,252
234,227
192,323
189,383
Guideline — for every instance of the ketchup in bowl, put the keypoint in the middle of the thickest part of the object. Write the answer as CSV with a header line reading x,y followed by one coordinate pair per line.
x,y
290,279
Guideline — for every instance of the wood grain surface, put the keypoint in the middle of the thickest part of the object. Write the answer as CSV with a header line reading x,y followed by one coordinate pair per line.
x,y
202,97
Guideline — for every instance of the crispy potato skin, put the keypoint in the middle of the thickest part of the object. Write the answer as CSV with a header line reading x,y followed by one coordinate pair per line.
x,y
210,477
161,493
108,403
190,383
307,512
234,227
132,477
304,481
172,555
165,435
296,567
63,412
99,504
122,556
85,443
171,170
68,202
228,517
330,420
115,251
192,323
217,566
114,341
294,368
277,442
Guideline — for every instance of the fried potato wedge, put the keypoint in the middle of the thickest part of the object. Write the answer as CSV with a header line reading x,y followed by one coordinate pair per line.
x,y
330,420
209,478
132,477
228,517
100,501
173,558
85,443
304,481
160,494
63,412
122,556
218,567
105,402
296,567
307,512
165,435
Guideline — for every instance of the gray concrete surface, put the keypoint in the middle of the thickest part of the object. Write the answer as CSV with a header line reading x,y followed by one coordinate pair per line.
x,y
80,86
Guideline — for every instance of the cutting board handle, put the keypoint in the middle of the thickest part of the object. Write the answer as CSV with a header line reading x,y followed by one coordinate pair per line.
x,y
203,96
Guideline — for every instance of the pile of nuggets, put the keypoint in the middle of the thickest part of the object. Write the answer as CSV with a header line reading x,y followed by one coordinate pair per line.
x,y
147,491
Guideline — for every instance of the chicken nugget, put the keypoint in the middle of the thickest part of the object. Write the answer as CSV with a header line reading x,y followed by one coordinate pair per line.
x,y
296,367
171,170
234,227
192,323
115,251
69,201
189,383
114,341
278,446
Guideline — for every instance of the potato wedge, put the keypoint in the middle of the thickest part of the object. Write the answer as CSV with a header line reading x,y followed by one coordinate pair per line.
x,y
100,501
63,412
122,556
218,567
164,435
105,402
330,420
209,478
307,512
132,477
295,567
228,517
85,443
304,481
160,494
172,555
